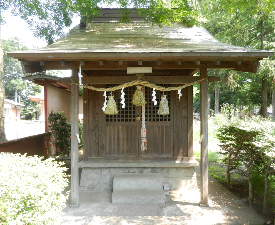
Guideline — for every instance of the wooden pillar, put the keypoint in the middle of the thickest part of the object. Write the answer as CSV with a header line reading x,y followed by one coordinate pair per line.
x,y
74,141
190,122
46,99
204,139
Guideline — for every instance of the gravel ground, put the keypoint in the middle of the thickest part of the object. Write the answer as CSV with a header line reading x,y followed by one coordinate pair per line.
x,y
181,208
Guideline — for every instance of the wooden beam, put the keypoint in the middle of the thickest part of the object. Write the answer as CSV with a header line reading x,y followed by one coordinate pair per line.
x,y
150,79
156,65
32,67
246,66
74,142
204,139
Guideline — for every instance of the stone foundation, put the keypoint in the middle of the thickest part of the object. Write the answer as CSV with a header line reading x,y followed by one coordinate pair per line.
x,y
98,174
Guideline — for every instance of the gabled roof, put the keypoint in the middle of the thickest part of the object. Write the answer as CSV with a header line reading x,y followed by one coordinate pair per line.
x,y
145,38
8,101
42,79
110,41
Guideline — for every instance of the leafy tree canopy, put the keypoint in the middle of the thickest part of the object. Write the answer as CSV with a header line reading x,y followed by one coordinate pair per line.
x,y
13,79
49,18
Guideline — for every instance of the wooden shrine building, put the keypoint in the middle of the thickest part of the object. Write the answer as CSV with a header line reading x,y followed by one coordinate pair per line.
x,y
107,54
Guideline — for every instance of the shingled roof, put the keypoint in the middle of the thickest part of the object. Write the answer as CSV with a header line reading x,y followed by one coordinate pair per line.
x,y
107,39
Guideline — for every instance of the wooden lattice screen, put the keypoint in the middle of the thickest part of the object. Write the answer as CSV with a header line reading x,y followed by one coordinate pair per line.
x,y
128,114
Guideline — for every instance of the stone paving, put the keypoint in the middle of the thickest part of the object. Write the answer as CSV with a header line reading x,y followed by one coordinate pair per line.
x,y
181,208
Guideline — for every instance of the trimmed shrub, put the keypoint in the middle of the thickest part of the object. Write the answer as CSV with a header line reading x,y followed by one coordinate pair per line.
x,y
61,132
31,189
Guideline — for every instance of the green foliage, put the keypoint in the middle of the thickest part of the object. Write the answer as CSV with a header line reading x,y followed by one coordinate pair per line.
x,y
250,142
31,189
13,81
81,135
61,132
213,157
248,24
49,18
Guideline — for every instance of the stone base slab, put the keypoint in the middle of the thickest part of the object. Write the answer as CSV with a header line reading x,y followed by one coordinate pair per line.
x,y
98,179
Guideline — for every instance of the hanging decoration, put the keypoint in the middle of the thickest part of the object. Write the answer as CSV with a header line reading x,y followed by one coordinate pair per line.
x,y
79,74
143,128
122,98
111,108
140,82
163,106
154,99
105,101
179,93
138,98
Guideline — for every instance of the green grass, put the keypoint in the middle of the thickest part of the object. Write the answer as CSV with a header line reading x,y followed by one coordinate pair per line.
x,y
217,172
212,156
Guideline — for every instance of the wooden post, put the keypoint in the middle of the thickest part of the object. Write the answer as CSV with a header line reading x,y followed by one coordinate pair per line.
x,y
204,139
190,122
217,98
46,99
74,141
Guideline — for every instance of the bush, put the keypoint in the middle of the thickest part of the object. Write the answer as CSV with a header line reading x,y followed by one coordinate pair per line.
x,y
61,132
31,189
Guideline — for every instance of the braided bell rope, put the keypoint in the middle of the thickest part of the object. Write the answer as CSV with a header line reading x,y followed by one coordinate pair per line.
x,y
139,81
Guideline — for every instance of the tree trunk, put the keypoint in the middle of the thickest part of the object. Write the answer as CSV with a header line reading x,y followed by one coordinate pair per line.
x,y
228,169
208,103
273,105
266,187
2,93
264,80
249,183
217,98
264,99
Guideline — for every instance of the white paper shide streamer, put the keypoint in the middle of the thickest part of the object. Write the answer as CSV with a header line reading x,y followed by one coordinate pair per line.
x,y
122,98
105,102
79,74
179,93
154,99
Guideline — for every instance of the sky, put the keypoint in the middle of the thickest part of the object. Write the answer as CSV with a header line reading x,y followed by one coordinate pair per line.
x,y
16,27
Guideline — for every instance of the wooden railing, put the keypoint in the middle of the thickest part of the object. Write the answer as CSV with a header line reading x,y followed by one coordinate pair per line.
x,y
32,145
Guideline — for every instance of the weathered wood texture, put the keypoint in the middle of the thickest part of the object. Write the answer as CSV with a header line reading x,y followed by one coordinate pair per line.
x,y
190,122
74,142
159,140
119,135
217,98
150,79
46,112
121,139
86,116
94,123
204,139
179,120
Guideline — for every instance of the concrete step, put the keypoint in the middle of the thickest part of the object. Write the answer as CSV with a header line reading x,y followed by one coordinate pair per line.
x,y
138,181
138,197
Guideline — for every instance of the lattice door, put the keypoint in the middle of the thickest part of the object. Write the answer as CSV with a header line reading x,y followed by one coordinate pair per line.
x,y
159,133
122,133
123,130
